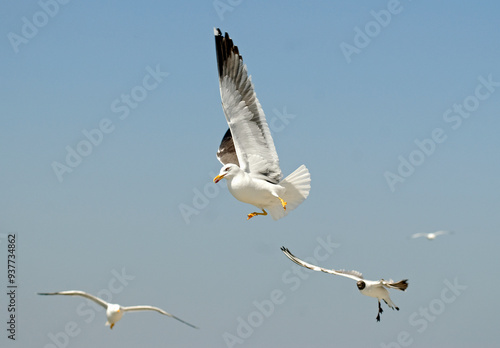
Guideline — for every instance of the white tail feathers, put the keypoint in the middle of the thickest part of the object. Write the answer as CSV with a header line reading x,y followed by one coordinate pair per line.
x,y
297,186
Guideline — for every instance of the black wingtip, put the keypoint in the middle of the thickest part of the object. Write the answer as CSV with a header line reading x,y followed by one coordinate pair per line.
x,y
224,47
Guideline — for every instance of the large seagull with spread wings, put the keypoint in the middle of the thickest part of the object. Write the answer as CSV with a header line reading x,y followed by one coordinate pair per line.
x,y
247,152
372,288
114,312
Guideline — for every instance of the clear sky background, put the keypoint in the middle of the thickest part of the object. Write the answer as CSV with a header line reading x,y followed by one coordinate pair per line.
x,y
355,104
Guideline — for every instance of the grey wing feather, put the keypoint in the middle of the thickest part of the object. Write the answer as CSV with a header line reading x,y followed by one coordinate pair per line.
x,y
227,153
159,310
78,293
349,274
352,273
438,233
418,235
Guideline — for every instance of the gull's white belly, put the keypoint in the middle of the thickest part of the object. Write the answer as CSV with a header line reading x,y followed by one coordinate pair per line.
x,y
254,191
375,291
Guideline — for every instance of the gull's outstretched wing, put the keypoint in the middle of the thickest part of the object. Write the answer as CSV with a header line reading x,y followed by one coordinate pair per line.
x,y
438,233
250,133
349,274
151,308
418,235
78,293
227,153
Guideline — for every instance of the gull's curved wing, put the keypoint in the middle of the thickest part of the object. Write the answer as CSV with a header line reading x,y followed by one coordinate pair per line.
x,y
438,233
349,274
418,235
78,293
250,133
151,308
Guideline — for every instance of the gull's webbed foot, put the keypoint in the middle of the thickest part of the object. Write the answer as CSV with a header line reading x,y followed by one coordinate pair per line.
x,y
251,215
283,203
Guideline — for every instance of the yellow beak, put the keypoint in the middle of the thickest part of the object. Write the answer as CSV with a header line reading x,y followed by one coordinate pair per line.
x,y
218,178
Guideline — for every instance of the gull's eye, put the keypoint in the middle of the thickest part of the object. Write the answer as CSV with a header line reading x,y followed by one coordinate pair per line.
x,y
227,169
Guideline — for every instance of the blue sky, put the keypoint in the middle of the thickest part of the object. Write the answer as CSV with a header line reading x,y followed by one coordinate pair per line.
x,y
354,119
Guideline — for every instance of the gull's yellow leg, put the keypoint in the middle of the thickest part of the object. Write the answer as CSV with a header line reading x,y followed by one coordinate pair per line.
x,y
251,215
111,326
283,203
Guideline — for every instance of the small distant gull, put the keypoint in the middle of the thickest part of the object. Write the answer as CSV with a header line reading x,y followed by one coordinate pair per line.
x,y
370,288
114,312
432,235
247,152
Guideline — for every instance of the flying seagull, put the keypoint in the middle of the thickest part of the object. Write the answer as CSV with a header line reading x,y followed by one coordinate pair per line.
x,y
247,152
432,235
370,288
114,312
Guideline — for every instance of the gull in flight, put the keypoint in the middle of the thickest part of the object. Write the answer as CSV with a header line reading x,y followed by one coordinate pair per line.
x,y
370,288
432,235
247,152
114,312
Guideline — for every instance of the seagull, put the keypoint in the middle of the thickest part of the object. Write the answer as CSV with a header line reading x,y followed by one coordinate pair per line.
x,y
247,152
114,312
372,288
432,235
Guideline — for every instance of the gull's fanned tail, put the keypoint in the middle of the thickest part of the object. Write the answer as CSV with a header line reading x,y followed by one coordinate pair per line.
x,y
401,285
297,186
